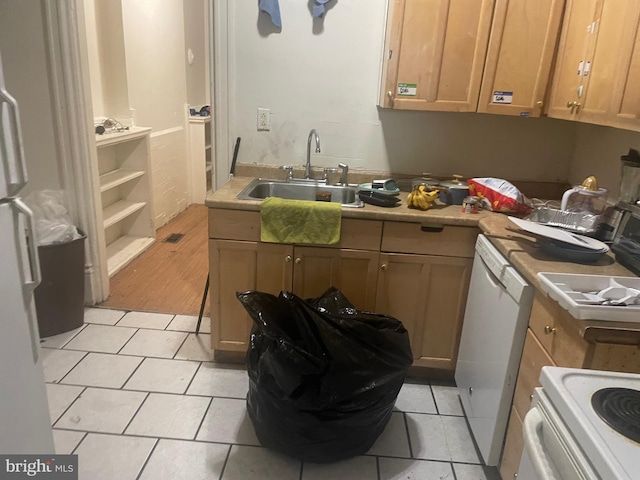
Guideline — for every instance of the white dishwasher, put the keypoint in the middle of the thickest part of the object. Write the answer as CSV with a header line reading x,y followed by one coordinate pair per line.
x,y
493,333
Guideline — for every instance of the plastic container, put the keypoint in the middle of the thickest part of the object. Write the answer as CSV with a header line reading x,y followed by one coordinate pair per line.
x,y
60,296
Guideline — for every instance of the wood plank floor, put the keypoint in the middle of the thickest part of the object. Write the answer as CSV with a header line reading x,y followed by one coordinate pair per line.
x,y
168,277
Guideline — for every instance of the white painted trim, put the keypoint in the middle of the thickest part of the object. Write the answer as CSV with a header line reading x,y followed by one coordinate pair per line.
x,y
71,98
166,131
220,95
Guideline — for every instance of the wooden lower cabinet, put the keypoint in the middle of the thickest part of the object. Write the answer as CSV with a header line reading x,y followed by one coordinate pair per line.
x,y
553,339
513,447
428,295
237,266
414,272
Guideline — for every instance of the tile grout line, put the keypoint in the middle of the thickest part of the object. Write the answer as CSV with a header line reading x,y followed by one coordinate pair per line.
x,y
146,462
195,436
181,345
136,413
86,354
378,468
68,407
406,429
193,378
226,460
78,444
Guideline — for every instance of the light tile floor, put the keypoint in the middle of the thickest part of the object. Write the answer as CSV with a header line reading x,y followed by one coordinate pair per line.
x,y
137,396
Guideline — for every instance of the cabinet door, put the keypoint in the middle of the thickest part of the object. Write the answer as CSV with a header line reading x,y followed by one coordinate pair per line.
x,y
436,53
521,47
573,62
513,447
236,267
626,105
615,36
353,272
428,295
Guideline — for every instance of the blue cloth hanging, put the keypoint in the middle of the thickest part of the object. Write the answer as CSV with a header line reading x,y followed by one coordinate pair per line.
x,y
272,7
318,8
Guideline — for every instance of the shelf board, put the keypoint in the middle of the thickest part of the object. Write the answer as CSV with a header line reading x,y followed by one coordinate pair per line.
x,y
125,249
119,211
113,138
118,177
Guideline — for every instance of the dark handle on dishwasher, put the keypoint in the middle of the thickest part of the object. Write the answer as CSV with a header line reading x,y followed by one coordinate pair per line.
x,y
432,228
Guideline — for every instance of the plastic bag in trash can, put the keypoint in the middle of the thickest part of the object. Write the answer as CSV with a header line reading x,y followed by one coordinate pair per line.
x,y
52,222
323,376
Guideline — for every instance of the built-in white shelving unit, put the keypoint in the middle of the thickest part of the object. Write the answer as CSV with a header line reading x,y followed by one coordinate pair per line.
x,y
201,158
125,194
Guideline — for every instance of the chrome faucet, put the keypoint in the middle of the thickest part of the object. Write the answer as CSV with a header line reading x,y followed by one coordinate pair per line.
x,y
307,167
345,173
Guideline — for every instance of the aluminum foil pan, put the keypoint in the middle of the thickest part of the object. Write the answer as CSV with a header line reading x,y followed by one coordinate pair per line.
x,y
583,223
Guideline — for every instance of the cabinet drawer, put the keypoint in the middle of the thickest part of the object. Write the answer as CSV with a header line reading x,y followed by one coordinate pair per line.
x,y
534,357
245,225
513,447
552,325
447,240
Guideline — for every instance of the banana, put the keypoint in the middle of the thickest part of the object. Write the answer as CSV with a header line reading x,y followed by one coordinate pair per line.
x,y
410,199
423,204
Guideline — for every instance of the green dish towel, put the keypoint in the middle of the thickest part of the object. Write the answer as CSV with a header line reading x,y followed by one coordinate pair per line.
x,y
300,221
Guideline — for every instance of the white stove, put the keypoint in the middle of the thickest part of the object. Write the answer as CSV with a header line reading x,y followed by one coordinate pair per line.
x,y
579,442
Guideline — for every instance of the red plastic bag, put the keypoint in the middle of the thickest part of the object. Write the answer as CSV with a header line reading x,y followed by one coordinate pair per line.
x,y
501,195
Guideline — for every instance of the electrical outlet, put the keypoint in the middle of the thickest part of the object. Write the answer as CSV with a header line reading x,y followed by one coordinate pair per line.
x,y
264,123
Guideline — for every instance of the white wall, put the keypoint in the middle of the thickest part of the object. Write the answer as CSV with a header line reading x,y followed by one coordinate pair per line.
x,y
598,151
324,74
27,79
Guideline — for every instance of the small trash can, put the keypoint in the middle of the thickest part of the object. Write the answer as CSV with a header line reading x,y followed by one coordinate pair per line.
x,y
60,296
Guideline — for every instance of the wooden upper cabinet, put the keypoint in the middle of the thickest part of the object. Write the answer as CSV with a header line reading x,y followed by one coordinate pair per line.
x,y
436,51
491,56
517,71
598,64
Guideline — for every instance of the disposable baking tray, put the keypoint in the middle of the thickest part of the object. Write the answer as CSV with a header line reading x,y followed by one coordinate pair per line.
x,y
581,295
584,223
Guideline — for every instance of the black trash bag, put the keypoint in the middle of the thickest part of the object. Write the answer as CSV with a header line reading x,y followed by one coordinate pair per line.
x,y
323,376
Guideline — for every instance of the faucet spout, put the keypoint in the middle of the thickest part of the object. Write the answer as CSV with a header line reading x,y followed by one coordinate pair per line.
x,y
307,166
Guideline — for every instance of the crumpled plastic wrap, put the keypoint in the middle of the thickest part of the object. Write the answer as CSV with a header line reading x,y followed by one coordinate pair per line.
x,y
52,221
323,376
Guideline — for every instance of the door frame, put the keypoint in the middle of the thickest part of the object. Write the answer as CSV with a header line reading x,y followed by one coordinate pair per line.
x,y
75,141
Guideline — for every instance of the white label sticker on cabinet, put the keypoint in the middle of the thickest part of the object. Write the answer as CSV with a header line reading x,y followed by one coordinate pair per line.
x,y
407,89
502,97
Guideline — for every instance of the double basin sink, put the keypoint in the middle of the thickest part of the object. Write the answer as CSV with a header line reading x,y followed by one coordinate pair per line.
x,y
261,188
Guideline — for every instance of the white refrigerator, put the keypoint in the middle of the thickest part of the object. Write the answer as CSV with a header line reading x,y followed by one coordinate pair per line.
x,y
25,426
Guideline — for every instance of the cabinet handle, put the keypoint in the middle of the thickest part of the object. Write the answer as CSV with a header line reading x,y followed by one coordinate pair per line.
x,y
287,259
298,260
573,105
470,391
390,95
549,330
383,267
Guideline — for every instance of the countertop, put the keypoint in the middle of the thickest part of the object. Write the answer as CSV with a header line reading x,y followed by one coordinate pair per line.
x,y
517,246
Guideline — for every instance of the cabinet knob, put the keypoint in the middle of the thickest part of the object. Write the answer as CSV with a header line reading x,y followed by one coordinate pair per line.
x,y
287,259
539,103
298,260
470,391
383,266
548,330
531,397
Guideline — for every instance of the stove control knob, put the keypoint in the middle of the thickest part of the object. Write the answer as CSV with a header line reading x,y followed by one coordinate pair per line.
x,y
549,330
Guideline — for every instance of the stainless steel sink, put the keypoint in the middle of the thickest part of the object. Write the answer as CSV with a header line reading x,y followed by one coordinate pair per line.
x,y
261,188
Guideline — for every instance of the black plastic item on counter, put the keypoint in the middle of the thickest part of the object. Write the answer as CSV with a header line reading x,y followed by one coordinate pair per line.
x,y
323,376
379,199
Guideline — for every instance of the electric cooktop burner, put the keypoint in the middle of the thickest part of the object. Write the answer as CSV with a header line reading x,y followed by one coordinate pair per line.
x,y
620,409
